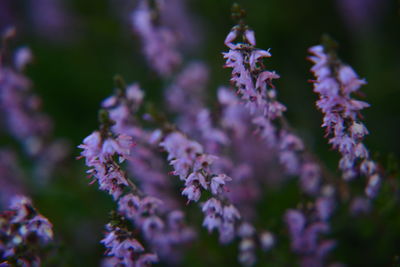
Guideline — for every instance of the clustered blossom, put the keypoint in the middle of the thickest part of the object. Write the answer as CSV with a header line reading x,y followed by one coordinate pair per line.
x,y
163,229
258,94
185,96
100,155
163,233
254,86
159,41
124,250
144,163
121,107
23,233
194,168
99,152
252,82
335,83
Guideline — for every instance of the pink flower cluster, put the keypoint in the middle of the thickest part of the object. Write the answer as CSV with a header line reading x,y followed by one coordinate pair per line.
x,y
162,227
23,231
120,243
194,168
258,94
335,83
251,81
213,156
99,152
164,234
142,210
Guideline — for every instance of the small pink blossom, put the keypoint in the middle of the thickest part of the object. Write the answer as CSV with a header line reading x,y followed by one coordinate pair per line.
x,y
218,182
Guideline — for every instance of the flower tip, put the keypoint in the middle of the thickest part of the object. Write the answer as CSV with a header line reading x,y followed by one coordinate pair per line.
x,y
231,37
250,37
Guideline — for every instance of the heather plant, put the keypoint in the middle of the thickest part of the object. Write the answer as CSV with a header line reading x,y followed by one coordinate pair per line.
x,y
196,163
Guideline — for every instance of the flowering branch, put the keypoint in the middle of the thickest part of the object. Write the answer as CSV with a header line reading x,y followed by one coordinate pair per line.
x,y
254,86
335,83
104,150
259,96
194,168
24,233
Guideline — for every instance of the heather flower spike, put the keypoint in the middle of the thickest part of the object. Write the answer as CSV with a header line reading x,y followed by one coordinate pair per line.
x,y
122,246
184,155
258,94
254,85
104,151
335,84
24,233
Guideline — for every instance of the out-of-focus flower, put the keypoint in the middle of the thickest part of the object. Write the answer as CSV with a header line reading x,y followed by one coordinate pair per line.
x,y
306,240
23,117
159,42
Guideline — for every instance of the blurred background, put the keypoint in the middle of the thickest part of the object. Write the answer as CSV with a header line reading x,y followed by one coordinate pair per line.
x,y
79,46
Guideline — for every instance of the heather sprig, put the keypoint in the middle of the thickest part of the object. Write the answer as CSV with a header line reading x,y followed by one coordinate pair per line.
x,y
122,246
104,151
194,167
145,163
258,94
254,85
336,83
148,168
24,233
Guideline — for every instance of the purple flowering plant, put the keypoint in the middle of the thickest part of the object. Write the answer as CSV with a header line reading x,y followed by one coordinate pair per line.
x,y
193,178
